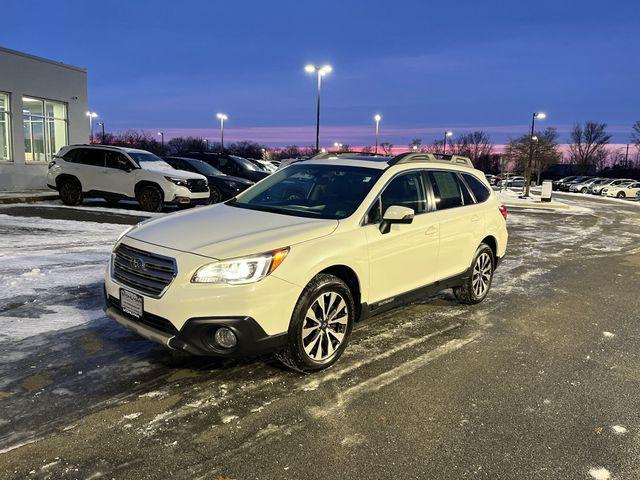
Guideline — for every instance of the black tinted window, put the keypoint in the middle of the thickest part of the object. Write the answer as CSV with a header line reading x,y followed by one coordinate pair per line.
x,y
406,191
480,191
90,156
446,190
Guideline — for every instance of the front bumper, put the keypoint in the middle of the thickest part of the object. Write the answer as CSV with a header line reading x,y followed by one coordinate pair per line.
x,y
197,334
185,314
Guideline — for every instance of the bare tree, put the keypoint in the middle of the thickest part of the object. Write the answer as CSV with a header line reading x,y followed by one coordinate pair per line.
x,y
545,150
415,144
473,145
386,147
367,149
635,135
588,145
433,147
186,144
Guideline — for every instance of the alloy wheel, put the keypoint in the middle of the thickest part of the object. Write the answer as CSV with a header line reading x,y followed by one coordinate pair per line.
x,y
324,326
481,275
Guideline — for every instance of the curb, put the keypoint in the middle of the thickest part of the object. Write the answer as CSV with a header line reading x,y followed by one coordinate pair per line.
x,y
28,198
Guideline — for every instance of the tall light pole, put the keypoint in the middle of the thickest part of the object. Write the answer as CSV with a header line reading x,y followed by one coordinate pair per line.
x,y
91,116
527,170
377,118
101,125
321,71
222,117
447,134
161,140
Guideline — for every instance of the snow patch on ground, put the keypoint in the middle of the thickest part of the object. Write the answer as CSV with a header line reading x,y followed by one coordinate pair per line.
x,y
600,473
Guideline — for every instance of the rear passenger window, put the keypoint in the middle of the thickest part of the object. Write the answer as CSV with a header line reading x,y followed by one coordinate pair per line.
x,y
479,189
93,157
446,190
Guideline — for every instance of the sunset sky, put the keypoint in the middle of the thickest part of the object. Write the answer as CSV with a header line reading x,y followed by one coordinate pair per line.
x,y
425,66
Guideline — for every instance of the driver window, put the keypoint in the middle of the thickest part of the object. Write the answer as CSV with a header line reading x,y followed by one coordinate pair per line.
x,y
116,160
405,190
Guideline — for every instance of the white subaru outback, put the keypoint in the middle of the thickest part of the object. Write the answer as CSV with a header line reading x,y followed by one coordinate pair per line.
x,y
290,264
117,173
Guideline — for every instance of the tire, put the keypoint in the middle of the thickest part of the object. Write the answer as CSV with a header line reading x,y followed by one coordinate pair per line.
x,y
150,199
620,195
477,286
315,341
215,195
584,190
70,191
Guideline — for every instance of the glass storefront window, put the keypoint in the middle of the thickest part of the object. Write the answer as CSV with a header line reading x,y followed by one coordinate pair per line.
x,y
45,128
5,128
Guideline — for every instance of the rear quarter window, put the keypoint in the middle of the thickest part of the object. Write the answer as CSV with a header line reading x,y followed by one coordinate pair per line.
x,y
479,189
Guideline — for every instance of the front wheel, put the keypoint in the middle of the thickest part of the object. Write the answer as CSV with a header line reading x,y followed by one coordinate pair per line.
x,y
150,199
215,195
476,287
320,326
620,195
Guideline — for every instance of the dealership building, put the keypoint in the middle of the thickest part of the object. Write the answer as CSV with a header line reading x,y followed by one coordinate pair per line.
x,y
43,106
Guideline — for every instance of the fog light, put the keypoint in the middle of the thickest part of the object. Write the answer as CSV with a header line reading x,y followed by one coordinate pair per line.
x,y
225,337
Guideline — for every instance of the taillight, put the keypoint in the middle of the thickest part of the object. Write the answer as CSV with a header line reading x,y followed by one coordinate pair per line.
x,y
503,211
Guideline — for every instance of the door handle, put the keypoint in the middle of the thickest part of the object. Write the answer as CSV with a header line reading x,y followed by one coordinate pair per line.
x,y
431,230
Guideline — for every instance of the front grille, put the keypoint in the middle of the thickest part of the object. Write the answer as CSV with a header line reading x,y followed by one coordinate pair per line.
x,y
148,319
197,185
147,272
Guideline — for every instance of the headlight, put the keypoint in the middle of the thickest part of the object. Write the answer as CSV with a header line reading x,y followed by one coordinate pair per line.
x,y
241,270
178,181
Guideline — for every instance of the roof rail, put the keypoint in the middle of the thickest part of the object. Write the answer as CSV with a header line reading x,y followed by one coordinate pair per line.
x,y
321,155
409,157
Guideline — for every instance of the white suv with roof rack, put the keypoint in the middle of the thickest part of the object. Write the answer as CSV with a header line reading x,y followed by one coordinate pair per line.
x,y
117,173
307,252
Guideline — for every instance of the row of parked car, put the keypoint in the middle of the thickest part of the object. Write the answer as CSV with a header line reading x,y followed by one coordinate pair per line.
x,y
608,187
118,173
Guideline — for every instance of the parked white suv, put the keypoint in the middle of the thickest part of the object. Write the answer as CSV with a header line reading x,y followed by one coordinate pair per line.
x,y
117,173
291,263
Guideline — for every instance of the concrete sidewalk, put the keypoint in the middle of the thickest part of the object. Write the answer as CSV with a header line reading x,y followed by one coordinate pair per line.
x,y
27,196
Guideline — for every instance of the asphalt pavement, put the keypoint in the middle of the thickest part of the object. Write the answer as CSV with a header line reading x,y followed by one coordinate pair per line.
x,y
539,381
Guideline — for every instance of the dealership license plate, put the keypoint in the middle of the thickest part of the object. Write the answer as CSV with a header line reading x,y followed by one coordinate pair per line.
x,y
131,303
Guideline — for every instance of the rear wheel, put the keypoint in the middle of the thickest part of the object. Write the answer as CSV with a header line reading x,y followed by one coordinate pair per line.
x,y
620,195
476,287
320,326
70,191
150,199
584,190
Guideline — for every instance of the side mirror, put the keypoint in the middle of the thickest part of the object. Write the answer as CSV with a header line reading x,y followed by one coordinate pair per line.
x,y
396,214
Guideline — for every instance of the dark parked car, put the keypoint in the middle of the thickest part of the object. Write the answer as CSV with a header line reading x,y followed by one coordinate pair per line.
x,y
229,165
221,186
557,184
566,185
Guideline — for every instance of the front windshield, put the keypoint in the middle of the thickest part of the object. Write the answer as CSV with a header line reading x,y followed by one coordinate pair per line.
x,y
149,161
204,168
245,163
318,191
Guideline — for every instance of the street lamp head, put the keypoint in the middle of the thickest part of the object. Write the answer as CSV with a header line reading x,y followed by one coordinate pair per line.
x,y
221,116
534,138
160,133
325,69
541,115
377,118
92,114
309,68
449,133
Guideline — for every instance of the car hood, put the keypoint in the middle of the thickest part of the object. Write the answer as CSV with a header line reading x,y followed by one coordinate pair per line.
x,y
166,169
221,231
230,178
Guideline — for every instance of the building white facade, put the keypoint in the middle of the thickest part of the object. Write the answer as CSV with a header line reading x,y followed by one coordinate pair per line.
x,y
43,106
